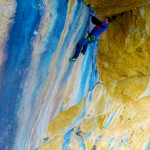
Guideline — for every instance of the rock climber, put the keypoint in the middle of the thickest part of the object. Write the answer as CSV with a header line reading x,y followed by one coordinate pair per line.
x,y
92,37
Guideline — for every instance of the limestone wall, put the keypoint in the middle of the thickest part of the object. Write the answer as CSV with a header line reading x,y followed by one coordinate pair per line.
x,y
118,116
114,7
124,52
7,11
101,101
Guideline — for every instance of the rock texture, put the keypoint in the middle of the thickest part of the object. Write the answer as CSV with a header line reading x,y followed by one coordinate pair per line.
x,y
118,116
37,81
123,64
124,51
7,10
99,102
114,7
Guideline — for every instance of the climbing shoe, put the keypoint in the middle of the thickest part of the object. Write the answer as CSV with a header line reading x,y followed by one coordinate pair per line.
x,y
72,59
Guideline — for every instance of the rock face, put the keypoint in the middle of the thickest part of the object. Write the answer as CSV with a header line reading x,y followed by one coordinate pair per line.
x,y
99,102
37,81
118,115
123,64
128,60
7,10
114,7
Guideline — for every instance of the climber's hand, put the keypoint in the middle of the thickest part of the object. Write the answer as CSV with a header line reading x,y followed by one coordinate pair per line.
x,y
91,15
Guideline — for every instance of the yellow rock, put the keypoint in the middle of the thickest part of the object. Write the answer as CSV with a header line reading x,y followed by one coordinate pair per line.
x,y
113,7
53,144
123,58
64,119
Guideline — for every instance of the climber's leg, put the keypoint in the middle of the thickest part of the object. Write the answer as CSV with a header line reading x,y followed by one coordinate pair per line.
x,y
79,47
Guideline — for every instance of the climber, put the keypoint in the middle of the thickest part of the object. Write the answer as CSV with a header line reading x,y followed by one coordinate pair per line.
x,y
92,37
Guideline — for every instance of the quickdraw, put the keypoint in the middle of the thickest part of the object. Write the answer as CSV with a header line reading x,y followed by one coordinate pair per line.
x,y
91,38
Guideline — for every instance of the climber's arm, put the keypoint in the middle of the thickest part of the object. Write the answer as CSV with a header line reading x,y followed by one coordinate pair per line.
x,y
96,21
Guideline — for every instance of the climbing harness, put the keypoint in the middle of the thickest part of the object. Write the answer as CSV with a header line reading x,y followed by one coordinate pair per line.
x,y
91,38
